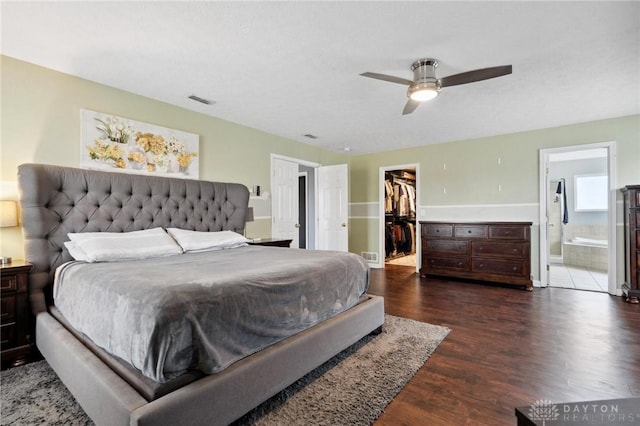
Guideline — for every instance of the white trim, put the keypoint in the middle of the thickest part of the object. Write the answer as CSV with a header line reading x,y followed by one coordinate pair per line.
x,y
457,205
481,205
295,160
370,210
524,212
612,204
381,248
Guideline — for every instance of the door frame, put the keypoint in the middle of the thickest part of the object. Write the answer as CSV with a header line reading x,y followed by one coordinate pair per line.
x,y
383,169
611,213
315,190
561,205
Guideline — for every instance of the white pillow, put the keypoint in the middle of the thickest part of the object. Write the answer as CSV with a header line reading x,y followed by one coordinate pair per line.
x,y
194,241
76,252
116,246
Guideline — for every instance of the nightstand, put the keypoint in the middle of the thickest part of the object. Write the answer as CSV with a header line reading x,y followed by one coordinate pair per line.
x,y
15,314
273,242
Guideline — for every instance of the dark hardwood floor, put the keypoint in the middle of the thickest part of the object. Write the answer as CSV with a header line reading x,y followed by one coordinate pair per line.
x,y
509,348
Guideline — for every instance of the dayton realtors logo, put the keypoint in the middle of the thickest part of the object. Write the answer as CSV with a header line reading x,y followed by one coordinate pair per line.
x,y
583,413
543,410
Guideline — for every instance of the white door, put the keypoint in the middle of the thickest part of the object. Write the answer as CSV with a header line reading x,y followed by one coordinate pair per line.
x,y
284,206
333,207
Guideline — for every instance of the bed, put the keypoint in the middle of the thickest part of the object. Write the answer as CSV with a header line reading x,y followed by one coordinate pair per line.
x,y
57,201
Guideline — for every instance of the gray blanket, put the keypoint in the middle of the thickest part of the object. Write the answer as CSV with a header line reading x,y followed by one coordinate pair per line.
x,y
205,310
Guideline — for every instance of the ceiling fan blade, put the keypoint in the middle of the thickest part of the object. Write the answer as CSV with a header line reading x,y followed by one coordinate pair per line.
x,y
389,78
475,75
410,106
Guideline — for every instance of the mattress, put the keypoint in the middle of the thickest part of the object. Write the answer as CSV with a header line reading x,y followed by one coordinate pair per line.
x,y
205,311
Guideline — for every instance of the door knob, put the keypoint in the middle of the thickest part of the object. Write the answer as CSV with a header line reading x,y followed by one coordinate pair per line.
x,y
344,225
297,225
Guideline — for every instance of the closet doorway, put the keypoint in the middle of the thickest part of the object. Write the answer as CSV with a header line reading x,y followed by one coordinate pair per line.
x,y
399,234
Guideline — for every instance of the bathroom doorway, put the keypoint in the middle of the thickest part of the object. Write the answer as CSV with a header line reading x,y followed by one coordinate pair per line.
x,y
578,228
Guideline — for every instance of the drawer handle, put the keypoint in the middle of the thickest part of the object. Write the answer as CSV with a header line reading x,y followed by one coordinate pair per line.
x,y
515,268
469,231
515,250
437,230
459,263
482,265
507,233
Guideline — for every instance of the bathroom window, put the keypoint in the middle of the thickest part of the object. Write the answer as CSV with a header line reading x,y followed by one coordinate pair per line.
x,y
591,192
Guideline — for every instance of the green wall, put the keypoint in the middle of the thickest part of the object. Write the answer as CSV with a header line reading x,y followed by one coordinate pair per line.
x,y
477,177
488,177
41,124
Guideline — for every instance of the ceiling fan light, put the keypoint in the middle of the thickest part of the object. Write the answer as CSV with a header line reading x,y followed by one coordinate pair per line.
x,y
425,94
424,91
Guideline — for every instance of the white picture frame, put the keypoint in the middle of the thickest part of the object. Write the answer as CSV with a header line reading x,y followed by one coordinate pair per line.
x,y
118,144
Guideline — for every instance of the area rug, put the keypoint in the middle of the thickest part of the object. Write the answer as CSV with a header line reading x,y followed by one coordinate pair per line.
x,y
352,388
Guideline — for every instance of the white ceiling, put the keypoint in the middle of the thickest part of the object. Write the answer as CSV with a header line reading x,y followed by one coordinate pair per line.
x,y
291,68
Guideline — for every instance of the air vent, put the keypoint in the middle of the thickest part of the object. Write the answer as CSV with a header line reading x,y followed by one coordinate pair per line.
x,y
201,100
370,256
310,136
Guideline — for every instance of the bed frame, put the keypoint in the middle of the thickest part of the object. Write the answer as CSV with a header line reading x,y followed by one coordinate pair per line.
x,y
58,200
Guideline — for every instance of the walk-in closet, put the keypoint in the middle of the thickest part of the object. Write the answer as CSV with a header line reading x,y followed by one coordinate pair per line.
x,y
400,217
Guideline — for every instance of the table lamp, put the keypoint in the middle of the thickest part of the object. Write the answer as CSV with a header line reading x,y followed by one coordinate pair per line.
x,y
8,219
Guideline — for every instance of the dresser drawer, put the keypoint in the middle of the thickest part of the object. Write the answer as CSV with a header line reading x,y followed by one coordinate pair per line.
x,y
8,309
446,264
8,335
471,231
502,232
490,248
9,283
437,230
515,268
446,247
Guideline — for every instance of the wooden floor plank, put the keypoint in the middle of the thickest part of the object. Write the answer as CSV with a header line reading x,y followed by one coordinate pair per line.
x,y
509,348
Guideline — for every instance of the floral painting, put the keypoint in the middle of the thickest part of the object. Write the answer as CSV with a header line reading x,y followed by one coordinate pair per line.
x,y
114,143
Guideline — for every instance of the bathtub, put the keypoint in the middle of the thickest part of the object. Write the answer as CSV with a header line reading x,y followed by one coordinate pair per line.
x,y
586,252
590,242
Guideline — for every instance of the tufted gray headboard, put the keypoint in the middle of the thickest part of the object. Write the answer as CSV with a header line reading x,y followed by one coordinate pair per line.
x,y
57,200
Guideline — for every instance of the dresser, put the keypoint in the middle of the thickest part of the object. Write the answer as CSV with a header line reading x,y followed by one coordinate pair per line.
x,y
15,314
631,286
486,251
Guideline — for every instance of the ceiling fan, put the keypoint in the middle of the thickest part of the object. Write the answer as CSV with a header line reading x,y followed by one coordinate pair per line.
x,y
426,86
